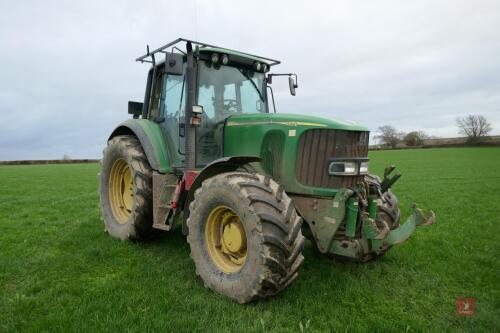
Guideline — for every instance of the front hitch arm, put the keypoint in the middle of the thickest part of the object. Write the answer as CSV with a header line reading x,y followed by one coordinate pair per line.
x,y
389,181
421,219
416,219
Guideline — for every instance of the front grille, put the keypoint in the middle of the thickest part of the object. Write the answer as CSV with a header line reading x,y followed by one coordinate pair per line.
x,y
317,146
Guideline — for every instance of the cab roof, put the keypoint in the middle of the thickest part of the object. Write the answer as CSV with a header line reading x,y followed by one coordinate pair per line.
x,y
205,47
237,54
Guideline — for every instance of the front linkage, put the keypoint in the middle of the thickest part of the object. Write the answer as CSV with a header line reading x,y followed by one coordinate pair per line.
x,y
361,223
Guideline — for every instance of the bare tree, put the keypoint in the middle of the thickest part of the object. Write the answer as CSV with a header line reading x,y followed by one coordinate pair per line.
x,y
473,126
389,136
415,138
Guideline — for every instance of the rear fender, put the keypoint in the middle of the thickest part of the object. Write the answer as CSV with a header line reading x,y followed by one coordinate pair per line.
x,y
152,141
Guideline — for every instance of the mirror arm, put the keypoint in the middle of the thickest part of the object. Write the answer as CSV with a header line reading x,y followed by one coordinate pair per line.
x,y
269,78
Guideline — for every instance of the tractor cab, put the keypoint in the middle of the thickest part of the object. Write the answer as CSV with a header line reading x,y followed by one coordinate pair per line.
x,y
224,83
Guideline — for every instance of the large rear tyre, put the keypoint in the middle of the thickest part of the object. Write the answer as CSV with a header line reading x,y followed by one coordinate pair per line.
x,y
125,190
245,236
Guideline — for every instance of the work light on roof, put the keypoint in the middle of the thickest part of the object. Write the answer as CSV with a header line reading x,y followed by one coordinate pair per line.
x,y
214,58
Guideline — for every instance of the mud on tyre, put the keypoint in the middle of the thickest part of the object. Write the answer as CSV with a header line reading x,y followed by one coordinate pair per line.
x,y
125,189
245,236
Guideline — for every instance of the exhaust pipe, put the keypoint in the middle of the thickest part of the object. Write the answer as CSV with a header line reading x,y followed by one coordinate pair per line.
x,y
190,139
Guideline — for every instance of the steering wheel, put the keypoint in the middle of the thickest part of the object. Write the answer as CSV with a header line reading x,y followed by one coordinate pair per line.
x,y
231,104
227,107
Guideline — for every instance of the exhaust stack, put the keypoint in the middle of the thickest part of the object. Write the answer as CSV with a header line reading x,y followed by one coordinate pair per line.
x,y
190,139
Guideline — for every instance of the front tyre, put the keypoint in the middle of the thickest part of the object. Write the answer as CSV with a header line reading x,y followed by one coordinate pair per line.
x,y
245,236
388,211
125,189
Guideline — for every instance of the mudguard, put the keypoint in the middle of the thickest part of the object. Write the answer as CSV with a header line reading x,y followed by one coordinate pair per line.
x,y
221,165
151,137
224,164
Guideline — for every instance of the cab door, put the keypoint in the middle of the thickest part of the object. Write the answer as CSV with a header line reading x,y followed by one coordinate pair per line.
x,y
168,109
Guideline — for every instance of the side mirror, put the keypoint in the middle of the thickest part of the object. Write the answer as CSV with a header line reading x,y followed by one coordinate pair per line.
x,y
292,84
135,108
173,63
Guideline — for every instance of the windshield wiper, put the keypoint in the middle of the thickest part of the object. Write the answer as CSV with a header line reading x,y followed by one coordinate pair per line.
x,y
254,85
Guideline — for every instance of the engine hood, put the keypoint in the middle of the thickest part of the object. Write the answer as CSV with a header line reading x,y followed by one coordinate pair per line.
x,y
292,120
294,148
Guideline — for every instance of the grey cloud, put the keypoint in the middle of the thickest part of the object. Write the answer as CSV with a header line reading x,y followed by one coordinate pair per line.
x,y
68,70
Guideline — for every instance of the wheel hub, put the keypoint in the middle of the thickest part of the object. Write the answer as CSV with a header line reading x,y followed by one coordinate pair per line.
x,y
232,237
121,194
226,239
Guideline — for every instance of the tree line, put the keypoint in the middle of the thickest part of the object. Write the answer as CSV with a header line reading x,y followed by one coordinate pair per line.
x,y
472,126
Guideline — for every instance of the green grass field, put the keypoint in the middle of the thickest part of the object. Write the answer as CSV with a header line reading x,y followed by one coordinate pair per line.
x,y
60,272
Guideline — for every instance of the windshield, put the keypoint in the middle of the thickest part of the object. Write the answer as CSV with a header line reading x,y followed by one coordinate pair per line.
x,y
225,90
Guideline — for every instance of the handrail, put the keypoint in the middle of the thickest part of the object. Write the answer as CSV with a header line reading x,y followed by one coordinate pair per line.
x,y
178,40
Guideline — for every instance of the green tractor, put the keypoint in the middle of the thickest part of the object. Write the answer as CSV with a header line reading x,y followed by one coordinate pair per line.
x,y
205,150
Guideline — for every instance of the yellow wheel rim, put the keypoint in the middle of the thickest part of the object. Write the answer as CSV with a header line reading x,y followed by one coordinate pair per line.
x,y
121,195
226,239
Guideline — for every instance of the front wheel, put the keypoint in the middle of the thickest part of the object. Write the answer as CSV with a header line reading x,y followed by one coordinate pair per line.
x,y
388,211
245,236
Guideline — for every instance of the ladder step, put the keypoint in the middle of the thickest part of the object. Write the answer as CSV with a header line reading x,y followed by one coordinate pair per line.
x,y
165,227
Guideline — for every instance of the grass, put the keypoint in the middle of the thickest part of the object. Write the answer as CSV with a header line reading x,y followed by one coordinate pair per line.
x,y
60,272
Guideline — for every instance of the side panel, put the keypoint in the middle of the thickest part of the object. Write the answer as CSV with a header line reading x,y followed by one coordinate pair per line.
x,y
152,140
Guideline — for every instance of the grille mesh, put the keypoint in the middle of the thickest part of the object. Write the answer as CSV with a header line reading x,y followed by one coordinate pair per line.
x,y
317,146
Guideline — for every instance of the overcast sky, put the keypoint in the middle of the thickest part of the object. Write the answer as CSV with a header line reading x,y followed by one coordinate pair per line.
x,y
68,70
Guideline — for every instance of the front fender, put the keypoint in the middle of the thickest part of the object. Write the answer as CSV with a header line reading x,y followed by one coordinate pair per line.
x,y
221,165
151,137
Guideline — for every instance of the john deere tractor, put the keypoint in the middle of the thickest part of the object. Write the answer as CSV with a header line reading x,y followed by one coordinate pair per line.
x,y
207,150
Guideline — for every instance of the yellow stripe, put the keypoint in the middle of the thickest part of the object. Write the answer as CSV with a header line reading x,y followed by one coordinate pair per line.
x,y
288,123
300,123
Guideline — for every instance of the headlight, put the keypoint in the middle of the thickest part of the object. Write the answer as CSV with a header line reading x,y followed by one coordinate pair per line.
x,y
363,168
343,168
348,166
225,59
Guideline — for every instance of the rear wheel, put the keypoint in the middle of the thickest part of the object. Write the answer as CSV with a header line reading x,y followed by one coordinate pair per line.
x,y
245,236
125,189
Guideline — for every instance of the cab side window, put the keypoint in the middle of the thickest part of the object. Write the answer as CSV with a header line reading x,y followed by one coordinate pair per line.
x,y
171,110
157,98
173,97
